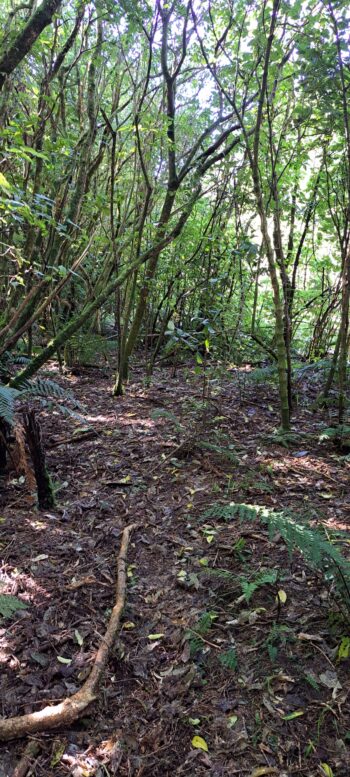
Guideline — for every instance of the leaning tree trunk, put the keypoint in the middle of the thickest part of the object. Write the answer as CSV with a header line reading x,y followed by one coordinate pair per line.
x,y
24,41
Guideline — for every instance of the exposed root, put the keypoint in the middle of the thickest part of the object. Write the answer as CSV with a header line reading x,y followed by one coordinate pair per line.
x,y
67,711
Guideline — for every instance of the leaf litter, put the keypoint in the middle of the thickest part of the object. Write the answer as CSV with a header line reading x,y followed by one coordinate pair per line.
x,y
204,679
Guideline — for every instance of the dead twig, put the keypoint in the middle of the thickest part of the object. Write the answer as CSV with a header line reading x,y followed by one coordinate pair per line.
x,y
70,709
31,751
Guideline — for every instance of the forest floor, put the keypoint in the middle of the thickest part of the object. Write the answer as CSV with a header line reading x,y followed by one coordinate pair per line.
x,y
256,675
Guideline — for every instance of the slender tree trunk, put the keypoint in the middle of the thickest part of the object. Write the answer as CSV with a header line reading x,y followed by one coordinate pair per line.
x,y
343,338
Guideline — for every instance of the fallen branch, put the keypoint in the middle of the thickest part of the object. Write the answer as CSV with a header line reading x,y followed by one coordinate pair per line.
x,y
70,709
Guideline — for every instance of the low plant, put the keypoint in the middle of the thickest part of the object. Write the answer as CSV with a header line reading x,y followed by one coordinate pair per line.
x,y
317,548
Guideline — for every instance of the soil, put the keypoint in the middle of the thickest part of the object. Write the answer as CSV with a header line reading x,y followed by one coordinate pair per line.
x,y
233,654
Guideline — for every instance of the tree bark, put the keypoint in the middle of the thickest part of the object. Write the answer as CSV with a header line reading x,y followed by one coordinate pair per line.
x,y
27,37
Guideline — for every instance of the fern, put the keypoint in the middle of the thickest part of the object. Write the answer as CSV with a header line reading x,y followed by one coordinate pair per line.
x,y
200,629
226,453
263,578
232,510
229,659
160,413
284,438
9,605
336,433
221,574
84,347
42,387
319,552
7,404
262,375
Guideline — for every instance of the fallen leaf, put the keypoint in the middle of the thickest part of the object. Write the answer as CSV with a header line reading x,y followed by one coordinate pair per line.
x,y
327,770
281,597
199,743
292,715
78,638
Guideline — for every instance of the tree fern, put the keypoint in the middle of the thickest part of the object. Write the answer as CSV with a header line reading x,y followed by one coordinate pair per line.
x,y
7,404
41,388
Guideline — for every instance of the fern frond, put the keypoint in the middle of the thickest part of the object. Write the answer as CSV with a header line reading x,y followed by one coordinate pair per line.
x,y
221,574
9,605
7,404
262,375
265,577
226,453
335,432
318,551
43,387
229,659
162,413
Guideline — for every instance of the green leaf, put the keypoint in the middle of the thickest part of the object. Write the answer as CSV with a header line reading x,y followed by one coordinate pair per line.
x,y
5,184
156,636
292,715
327,770
78,638
199,743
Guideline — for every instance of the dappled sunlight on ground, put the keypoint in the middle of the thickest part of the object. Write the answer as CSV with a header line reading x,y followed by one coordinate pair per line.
x,y
134,468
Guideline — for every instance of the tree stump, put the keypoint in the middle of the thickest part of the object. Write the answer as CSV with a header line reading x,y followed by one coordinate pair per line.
x,y
43,481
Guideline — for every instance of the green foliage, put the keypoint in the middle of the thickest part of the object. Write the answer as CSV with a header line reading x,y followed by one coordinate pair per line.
x,y
225,452
7,404
262,375
200,629
45,388
229,659
317,549
171,417
284,438
338,434
85,348
278,637
42,389
10,604
265,577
